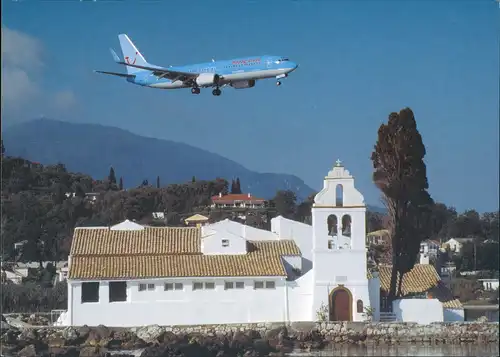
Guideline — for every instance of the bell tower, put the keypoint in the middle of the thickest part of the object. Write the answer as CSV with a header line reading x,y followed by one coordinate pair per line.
x,y
339,244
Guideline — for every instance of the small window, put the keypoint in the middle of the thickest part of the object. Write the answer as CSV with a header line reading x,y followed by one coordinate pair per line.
x,y
270,285
90,292
117,291
197,286
142,287
172,286
225,242
210,286
240,285
359,306
258,285
330,244
151,286
228,285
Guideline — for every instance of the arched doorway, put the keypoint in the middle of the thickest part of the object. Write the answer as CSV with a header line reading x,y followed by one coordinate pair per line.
x,y
340,303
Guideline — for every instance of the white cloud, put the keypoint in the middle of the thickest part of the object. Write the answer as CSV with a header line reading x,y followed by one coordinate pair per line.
x,y
23,94
64,100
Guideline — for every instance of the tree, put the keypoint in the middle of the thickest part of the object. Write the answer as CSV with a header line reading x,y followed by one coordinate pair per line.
x,y
193,179
233,186
157,181
284,203
238,186
145,183
400,173
79,192
112,176
121,184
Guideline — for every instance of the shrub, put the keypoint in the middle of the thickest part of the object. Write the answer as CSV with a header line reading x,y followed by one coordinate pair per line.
x,y
31,297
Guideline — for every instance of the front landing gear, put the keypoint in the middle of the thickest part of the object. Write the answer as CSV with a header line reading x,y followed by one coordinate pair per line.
x,y
216,92
195,90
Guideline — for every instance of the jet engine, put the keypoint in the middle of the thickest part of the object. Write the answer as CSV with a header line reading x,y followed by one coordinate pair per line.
x,y
243,84
207,79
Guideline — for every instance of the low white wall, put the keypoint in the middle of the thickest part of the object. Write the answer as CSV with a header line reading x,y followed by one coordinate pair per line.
x,y
374,293
422,311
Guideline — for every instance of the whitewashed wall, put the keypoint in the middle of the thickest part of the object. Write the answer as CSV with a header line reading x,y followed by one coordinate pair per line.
x,y
186,307
422,311
213,244
299,232
300,298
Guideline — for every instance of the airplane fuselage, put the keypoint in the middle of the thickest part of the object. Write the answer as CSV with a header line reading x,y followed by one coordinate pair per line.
x,y
233,71
238,73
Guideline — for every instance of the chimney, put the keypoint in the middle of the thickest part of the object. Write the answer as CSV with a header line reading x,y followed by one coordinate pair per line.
x,y
249,195
220,194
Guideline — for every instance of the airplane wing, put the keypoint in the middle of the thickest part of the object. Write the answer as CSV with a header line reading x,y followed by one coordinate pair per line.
x,y
116,74
161,72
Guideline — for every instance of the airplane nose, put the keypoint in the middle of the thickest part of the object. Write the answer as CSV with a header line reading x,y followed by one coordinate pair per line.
x,y
293,66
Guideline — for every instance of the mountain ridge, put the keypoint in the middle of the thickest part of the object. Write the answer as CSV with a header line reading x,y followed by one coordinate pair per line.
x,y
50,141
134,157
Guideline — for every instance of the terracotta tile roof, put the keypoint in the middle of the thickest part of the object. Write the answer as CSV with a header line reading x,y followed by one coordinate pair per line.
x,y
168,252
237,197
422,278
150,240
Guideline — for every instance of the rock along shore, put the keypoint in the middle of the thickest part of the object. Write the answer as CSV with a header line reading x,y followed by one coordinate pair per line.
x,y
232,340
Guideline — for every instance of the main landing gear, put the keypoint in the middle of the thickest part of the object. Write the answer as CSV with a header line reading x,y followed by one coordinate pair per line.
x,y
278,83
195,90
216,92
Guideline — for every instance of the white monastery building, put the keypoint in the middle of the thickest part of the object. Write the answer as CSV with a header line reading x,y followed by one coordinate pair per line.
x,y
227,272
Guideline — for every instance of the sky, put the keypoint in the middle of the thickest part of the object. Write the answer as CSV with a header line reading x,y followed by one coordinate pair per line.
x,y
359,61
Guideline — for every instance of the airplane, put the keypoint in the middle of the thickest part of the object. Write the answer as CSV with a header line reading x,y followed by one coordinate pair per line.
x,y
238,73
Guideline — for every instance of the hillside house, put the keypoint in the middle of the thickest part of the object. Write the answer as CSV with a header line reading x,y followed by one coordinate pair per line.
x,y
196,220
489,284
379,237
456,244
429,250
243,200
227,272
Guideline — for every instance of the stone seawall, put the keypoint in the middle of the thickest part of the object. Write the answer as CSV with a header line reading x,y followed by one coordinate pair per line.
x,y
259,339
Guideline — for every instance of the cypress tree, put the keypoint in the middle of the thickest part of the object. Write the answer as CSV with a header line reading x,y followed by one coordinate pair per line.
x,y
112,176
238,185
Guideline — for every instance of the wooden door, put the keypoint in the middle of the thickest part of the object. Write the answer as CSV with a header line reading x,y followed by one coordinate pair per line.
x,y
340,306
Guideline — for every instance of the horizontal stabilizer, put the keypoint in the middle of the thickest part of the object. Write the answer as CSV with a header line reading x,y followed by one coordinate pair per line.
x,y
117,74
115,56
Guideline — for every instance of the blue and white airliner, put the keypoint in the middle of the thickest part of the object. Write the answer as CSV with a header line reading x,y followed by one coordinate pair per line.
x,y
238,73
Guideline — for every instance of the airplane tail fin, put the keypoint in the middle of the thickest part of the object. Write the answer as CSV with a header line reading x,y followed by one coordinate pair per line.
x,y
131,54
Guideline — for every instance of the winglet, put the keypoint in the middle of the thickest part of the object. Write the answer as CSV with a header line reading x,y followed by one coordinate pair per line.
x,y
115,56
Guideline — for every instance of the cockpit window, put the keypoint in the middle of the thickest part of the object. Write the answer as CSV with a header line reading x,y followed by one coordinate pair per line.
x,y
279,60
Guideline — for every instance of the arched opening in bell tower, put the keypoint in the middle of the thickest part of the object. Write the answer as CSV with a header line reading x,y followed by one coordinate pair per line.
x,y
339,195
346,225
332,225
